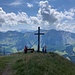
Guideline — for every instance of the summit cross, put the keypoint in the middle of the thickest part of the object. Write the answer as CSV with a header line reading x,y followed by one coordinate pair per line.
x,y
39,38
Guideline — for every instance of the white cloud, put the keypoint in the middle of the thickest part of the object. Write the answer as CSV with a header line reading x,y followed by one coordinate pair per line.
x,y
16,3
66,27
52,15
56,18
46,18
12,18
45,12
29,5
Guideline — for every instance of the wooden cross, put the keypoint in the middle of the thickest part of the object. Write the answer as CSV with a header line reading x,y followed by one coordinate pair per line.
x,y
39,38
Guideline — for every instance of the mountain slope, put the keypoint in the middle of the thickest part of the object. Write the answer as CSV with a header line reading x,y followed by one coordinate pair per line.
x,y
56,41
38,64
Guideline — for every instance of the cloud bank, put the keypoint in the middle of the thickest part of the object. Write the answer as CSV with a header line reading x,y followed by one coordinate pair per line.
x,y
47,18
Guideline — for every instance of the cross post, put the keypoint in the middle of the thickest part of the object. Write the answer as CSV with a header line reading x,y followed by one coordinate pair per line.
x,y
39,38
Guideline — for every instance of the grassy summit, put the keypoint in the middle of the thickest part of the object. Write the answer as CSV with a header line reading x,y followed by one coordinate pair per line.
x,y
36,64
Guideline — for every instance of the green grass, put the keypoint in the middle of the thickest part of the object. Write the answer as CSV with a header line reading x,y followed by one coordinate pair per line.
x,y
3,62
39,64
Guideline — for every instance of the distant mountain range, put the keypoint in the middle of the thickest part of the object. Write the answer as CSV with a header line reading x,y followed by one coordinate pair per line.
x,y
56,41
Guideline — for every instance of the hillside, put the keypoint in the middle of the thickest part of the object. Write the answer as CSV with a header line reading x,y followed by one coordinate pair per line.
x,y
36,64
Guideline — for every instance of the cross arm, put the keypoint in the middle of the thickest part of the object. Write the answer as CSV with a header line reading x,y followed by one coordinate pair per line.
x,y
39,34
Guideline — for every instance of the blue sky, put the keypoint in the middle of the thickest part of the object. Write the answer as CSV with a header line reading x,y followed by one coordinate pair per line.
x,y
29,14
